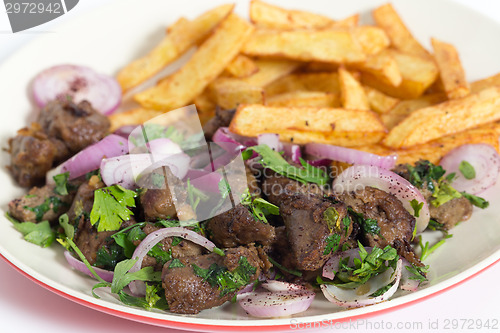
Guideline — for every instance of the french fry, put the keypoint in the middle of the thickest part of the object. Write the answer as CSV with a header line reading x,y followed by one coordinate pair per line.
x,y
267,16
372,39
309,124
451,70
242,66
434,150
379,101
315,66
417,73
401,38
381,65
352,95
349,22
488,82
205,105
135,116
404,108
305,98
181,36
338,46
324,82
447,118
205,65
229,92
270,70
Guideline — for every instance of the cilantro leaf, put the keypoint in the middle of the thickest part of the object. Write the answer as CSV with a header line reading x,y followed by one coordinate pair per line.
x,y
122,277
425,173
110,207
467,170
40,233
273,160
69,230
259,207
369,226
417,273
61,181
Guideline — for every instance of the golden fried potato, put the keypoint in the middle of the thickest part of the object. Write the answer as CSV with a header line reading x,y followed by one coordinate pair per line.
x,y
372,39
379,101
404,108
450,68
230,92
338,46
242,66
205,105
135,116
434,150
383,66
267,16
181,36
401,38
305,98
488,82
352,94
417,73
349,22
270,70
450,117
309,124
205,65
324,82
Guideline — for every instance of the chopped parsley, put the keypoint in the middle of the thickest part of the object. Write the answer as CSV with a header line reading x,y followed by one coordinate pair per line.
x,y
369,226
49,203
382,290
426,250
367,266
176,263
40,233
273,160
227,282
417,207
444,193
61,181
259,207
110,207
283,268
417,273
332,244
467,170
425,173
195,196
69,229
108,256
346,221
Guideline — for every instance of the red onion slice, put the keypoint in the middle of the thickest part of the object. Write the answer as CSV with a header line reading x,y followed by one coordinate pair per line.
x,y
267,304
407,283
483,158
80,266
356,177
79,83
204,180
137,287
270,139
349,297
351,156
223,135
275,285
293,152
90,158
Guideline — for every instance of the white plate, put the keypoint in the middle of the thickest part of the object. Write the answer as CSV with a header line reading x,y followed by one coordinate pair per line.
x,y
112,36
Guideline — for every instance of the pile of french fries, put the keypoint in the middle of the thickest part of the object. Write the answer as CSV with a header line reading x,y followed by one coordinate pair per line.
x,y
310,78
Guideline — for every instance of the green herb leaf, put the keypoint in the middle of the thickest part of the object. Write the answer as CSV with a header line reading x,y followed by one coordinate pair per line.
x,y
61,181
346,221
176,263
476,201
122,277
283,268
273,160
425,173
369,226
259,207
417,207
110,207
444,194
50,203
382,290
40,233
467,170
332,244
418,273
69,230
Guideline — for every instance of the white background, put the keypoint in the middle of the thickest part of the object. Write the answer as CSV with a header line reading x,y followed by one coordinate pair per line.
x,y
27,307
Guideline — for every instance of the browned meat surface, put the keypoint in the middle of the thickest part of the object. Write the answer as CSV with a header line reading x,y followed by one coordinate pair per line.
x,y
77,125
159,201
31,158
396,224
188,293
40,204
222,118
277,187
310,227
452,212
239,227
182,249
